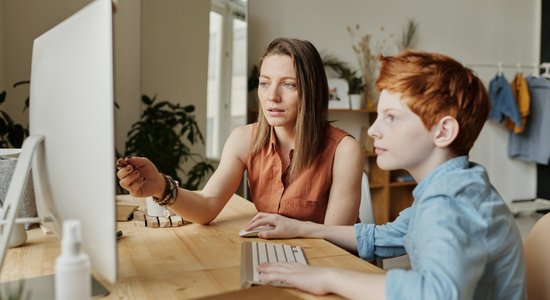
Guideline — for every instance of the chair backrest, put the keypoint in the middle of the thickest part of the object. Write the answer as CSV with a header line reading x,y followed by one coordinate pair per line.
x,y
537,258
366,213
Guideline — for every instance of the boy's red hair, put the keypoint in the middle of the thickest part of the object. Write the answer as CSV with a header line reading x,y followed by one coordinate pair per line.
x,y
434,86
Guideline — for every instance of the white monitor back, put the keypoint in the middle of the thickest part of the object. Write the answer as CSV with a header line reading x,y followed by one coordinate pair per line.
x,y
72,106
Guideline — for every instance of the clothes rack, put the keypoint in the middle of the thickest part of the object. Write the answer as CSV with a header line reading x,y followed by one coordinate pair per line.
x,y
499,65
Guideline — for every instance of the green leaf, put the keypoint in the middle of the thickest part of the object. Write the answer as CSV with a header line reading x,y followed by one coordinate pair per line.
x,y
2,97
16,136
189,108
21,82
7,118
3,127
146,100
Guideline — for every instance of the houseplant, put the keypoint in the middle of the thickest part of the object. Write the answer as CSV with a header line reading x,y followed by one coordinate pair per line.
x,y
409,37
355,82
12,134
164,134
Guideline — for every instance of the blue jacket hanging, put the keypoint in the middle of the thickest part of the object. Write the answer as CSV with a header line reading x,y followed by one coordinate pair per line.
x,y
533,144
503,102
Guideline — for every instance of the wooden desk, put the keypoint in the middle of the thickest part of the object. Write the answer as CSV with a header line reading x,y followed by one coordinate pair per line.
x,y
177,263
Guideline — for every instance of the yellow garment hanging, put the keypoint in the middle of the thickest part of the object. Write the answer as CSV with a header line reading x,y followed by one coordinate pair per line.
x,y
523,101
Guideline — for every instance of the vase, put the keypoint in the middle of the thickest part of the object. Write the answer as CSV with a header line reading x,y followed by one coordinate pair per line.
x,y
27,205
371,94
356,101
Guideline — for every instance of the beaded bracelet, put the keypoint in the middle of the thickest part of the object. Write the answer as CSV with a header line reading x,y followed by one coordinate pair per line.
x,y
170,192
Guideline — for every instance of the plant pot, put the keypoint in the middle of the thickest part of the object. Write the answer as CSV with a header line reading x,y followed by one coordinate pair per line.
x,y
27,205
356,101
155,210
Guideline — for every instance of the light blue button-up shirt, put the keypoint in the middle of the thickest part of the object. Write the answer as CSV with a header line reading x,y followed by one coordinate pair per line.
x,y
461,238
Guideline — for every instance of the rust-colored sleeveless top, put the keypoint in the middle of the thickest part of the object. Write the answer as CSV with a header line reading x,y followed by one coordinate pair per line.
x,y
306,197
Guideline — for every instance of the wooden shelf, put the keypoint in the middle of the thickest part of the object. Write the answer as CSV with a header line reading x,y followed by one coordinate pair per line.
x,y
404,183
374,185
363,110
370,154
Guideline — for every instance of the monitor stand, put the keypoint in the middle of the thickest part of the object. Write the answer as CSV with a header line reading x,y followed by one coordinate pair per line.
x,y
43,288
15,191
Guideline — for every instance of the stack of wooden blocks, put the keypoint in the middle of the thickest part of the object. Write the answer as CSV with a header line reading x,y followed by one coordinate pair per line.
x,y
141,218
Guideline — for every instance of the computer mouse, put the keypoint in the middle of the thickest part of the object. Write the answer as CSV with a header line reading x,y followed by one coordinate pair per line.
x,y
254,232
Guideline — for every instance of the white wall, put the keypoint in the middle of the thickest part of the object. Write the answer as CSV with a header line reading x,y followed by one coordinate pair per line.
x,y
23,21
471,31
175,54
127,58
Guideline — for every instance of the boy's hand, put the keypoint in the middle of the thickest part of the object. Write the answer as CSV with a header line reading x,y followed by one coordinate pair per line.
x,y
306,278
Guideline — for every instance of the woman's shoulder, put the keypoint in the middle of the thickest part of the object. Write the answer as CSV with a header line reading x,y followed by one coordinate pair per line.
x,y
335,132
243,132
239,141
345,141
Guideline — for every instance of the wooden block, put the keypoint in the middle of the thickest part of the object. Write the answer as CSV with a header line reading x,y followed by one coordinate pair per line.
x,y
152,221
176,221
139,215
139,223
143,220
164,222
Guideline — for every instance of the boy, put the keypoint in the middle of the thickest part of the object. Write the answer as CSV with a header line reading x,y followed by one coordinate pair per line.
x,y
460,236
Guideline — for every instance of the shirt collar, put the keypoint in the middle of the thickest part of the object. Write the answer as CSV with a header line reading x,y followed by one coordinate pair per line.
x,y
273,148
459,162
272,142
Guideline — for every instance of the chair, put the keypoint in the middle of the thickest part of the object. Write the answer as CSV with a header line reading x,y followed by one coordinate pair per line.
x,y
366,213
537,257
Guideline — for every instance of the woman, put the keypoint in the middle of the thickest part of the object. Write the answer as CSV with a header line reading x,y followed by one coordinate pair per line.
x,y
298,165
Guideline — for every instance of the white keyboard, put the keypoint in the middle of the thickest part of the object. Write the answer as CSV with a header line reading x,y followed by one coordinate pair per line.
x,y
256,253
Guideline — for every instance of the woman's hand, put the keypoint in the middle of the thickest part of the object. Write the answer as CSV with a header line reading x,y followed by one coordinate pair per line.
x,y
140,177
283,227
307,278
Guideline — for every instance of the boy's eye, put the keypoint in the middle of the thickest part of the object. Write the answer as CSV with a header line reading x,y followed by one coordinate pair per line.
x,y
390,118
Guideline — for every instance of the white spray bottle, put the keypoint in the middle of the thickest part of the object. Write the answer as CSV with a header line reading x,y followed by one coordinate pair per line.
x,y
72,268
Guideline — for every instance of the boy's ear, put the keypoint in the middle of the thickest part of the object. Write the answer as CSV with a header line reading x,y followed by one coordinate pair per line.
x,y
446,131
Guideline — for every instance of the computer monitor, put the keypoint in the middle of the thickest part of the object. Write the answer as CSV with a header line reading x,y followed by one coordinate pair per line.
x,y
71,125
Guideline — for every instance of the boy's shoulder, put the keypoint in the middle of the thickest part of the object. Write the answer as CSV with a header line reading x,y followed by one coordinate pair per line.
x,y
466,181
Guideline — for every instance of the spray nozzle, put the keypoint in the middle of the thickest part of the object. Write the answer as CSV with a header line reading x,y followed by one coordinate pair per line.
x,y
72,237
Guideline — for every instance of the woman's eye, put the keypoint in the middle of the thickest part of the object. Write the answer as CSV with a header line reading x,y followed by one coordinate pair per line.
x,y
390,118
289,85
263,84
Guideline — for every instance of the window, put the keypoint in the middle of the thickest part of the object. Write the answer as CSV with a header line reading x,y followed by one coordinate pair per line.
x,y
227,94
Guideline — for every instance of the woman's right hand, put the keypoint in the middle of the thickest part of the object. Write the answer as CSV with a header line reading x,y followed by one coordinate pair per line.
x,y
140,177
282,227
